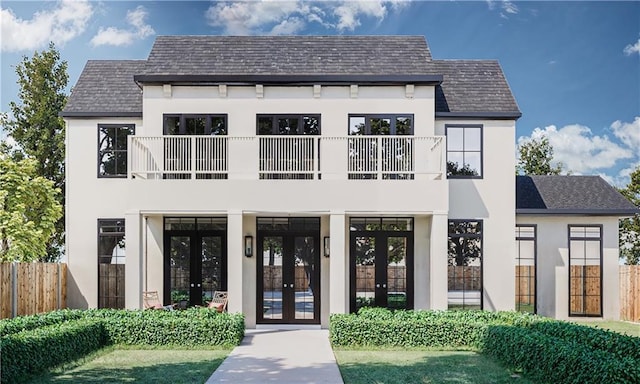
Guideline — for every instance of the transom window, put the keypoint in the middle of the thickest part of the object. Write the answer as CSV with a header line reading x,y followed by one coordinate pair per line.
x,y
585,270
187,124
112,149
111,263
465,264
387,124
464,151
288,125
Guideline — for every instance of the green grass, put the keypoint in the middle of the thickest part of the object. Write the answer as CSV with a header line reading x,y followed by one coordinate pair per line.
x,y
115,365
400,366
625,327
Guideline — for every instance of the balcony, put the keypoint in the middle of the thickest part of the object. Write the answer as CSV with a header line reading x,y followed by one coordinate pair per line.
x,y
286,157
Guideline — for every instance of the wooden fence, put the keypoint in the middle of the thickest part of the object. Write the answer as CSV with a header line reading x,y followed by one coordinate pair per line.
x,y
630,292
30,288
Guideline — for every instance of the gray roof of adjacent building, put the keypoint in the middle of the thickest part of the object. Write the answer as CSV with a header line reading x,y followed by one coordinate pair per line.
x,y
464,88
570,195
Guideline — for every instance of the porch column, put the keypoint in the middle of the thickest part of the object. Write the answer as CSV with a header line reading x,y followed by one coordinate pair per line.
x,y
235,253
338,264
438,261
133,260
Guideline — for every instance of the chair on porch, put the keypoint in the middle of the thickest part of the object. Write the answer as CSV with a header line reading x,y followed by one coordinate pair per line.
x,y
219,301
151,300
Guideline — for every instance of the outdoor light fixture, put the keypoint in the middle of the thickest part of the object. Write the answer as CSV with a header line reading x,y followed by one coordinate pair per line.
x,y
326,246
248,246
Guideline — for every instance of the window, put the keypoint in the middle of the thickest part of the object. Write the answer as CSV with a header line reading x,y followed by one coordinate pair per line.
x,y
111,263
112,149
380,125
180,124
288,125
465,264
464,151
585,270
526,268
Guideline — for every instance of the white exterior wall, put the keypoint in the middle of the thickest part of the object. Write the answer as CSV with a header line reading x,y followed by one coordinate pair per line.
x,y
491,199
553,263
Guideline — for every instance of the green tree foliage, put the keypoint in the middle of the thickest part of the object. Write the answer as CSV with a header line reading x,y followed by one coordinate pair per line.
x,y
29,209
536,156
630,227
36,126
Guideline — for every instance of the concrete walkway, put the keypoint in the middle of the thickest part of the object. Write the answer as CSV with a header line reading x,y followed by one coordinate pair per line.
x,y
283,356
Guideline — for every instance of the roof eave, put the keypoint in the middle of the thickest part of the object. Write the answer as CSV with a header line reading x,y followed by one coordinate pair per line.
x,y
99,114
514,115
291,79
578,212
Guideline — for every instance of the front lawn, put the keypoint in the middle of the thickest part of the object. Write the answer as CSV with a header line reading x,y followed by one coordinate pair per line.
x,y
400,366
624,327
141,366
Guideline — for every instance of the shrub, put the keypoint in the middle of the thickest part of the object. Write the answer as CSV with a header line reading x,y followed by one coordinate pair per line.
x,y
550,359
32,351
22,323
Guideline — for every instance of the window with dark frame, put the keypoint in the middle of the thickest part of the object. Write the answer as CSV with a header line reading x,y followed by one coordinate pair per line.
x,y
288,124
526,268
585,270
464,151
381,124
465,264
195,124
112,149
111,263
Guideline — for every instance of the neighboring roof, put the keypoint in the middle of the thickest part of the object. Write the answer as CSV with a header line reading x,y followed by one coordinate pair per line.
x,y
570,195
473,88
106,88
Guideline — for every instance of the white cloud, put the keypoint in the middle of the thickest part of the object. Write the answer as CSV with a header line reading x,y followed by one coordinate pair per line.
x,y
119,37
509,7
292,16
628,133
630,49
61,24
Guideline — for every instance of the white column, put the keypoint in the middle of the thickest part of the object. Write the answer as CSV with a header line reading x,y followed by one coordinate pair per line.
x,y
421,255
235,254
338,265
134,258
438,261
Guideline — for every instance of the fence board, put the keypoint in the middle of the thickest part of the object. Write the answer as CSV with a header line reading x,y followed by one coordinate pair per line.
x,y
630,292
40,287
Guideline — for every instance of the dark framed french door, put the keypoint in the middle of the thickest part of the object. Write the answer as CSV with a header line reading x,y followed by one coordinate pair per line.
x,y
288,276
195,265
381,269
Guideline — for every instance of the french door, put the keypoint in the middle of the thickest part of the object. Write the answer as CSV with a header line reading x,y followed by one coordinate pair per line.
x,y
288,276
381,269
194,266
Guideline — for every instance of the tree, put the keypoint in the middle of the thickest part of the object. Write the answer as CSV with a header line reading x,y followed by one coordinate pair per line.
x,y
29,209
37,128
630,227
536,156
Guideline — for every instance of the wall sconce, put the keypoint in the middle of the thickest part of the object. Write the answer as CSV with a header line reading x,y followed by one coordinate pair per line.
x,y
248,246
326,246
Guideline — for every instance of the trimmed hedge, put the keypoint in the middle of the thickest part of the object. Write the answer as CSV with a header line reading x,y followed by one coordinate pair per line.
x,y
22,323
33,351
551,359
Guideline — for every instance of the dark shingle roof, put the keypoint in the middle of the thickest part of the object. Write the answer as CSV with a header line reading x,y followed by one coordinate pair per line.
x,y
473,86
290,55
106,88
557,194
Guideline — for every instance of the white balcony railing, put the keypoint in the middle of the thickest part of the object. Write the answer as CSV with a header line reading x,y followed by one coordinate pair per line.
x,y
286,157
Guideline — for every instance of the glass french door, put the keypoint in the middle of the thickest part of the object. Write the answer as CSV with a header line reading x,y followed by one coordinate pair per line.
x,y
288,276
195,266
381,270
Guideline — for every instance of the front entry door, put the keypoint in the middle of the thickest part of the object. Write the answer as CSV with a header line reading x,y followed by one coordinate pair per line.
x,y
288,277
381,270
194,266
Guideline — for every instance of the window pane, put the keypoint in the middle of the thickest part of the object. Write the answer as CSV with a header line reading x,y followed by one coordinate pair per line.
x,y
111,263
172,125
195,125
288,126
265,126
403,125
106,138
472,140
473,162
455,139
121,163
380,126
218,125
311,125
356,125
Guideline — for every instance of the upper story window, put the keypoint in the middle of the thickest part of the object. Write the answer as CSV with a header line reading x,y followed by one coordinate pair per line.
x,y
464,151
112,149
288,125
380,124
183,124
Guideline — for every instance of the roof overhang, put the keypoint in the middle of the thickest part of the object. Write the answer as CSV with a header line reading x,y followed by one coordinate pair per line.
x,y
578,212
290,80
515,115
99,114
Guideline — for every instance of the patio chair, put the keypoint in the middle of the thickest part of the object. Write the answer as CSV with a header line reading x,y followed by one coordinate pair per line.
x,y
219,301
151,300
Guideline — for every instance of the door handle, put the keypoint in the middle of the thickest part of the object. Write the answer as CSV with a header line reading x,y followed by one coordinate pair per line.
x,y
284,285
377,285
198,285
384,285
192,285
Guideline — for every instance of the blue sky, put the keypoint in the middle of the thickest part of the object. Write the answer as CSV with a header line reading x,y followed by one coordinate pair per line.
x,y
574,67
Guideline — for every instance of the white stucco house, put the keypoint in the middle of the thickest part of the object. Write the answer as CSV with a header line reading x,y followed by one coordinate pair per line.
x,y
310,175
